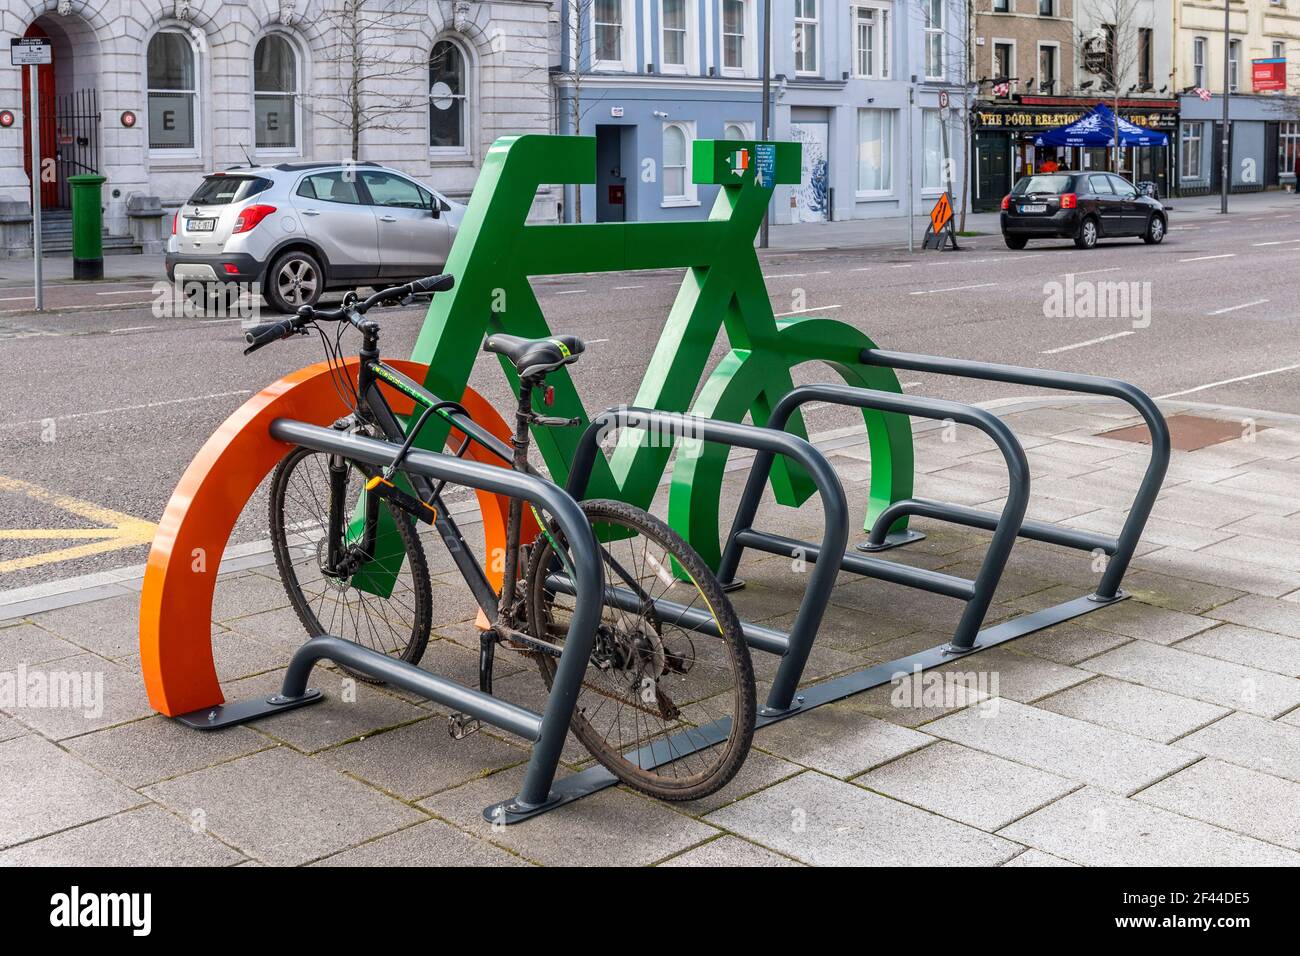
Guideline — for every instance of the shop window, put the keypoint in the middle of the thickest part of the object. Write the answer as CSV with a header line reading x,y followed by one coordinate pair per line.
x,y
173,92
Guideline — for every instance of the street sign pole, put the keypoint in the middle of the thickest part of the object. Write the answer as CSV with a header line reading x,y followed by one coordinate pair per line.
x,y
1225,167
36,183
33,53
911,211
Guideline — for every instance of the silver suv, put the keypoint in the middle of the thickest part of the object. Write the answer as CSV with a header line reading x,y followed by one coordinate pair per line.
x,y
298,229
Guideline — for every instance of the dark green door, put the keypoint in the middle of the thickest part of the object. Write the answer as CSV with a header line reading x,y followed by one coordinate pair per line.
x,y
992,171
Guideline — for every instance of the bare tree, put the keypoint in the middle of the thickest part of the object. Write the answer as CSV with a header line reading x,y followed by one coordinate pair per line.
x,y
958,63
365,50
1112,50
577,60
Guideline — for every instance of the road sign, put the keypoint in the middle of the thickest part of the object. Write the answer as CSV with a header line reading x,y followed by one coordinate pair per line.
x,y
943,99
940,214
30,51
764,163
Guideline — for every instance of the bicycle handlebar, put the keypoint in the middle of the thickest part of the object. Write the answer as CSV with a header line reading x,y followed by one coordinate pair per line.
x,y
351,311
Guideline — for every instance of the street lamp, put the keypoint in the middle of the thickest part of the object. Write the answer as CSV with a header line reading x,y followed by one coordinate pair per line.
x,y
767,108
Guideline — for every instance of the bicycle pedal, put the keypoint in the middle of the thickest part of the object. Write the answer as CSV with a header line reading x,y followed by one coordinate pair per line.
x,y
461,726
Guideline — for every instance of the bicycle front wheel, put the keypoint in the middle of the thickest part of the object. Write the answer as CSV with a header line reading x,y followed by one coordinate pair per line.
x,y
667,710
386,604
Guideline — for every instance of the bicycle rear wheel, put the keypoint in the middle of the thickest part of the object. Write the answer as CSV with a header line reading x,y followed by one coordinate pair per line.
x,y
358,608
667,710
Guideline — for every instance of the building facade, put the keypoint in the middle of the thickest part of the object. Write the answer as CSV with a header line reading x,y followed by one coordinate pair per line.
x,y
155,93
857,83
1044,63
1264,121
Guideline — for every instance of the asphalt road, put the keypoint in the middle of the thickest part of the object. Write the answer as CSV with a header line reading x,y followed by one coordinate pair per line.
x,y
132,397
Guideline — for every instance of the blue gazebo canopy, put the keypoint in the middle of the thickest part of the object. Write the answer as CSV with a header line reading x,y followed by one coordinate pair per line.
x,y
1097,128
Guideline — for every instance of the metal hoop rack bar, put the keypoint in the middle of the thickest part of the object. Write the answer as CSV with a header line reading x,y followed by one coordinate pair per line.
x,y
547,730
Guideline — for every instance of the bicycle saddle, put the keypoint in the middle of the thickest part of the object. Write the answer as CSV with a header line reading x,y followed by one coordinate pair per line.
x,y
536,356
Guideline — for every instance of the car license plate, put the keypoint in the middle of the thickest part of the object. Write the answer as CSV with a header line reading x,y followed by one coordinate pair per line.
x,y
1034,207
200,225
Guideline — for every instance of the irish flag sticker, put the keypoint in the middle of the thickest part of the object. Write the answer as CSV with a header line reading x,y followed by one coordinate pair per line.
x,y
739,161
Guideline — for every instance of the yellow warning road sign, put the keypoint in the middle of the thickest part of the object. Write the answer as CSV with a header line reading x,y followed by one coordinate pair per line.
x,y
114,530
940,214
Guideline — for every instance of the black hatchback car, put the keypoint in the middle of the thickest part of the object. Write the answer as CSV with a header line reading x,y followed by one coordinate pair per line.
x,y
1083,206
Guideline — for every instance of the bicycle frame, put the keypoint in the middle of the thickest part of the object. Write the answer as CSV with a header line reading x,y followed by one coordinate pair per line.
x,y
375,409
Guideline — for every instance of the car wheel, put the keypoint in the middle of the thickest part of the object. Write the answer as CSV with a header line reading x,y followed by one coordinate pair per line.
x,y
1014,242
1086,237
1155,231
295,279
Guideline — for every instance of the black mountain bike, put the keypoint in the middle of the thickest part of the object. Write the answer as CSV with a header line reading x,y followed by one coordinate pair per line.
x,y
347,549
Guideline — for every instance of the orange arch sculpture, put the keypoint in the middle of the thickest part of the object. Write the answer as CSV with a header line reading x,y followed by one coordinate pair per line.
x,y
181,574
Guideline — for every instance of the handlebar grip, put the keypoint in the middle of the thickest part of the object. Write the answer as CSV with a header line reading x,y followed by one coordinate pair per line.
x,y
268,332
440,283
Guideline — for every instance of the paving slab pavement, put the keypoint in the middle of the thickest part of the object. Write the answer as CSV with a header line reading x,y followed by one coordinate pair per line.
x,y
1161,730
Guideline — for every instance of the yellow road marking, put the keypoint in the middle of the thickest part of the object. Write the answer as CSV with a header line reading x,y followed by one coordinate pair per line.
x,y
122,531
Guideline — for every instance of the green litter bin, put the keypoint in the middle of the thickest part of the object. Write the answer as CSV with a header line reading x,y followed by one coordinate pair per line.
x,y
87,226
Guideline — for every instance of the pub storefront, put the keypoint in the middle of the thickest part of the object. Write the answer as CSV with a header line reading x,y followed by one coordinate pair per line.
x,y
1004,149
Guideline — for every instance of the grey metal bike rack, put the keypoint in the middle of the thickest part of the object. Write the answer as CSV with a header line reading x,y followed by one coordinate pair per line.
x,y
786,698
1119,549
546,730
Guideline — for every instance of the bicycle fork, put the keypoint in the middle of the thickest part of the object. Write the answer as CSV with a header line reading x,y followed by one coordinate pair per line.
x,y
339,554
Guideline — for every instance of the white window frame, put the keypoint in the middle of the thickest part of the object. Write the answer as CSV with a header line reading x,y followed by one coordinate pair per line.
x,y
749,45
746,128
690,42
466,97
627,40
299,75
1288,145
691,195
883,30
1038,67
1184,139
1199,46
1279,49
931,30
187,153
802,26
1011,6
932,190
1234,66
886,157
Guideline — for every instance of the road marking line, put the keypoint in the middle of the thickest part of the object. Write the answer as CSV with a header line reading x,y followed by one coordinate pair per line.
x,y
122,292
133,328
596,341
1275,242
573,292
626,288
823,308
1234,308
1090,272
126,408
901,265
17,298
1079,345
1225,255
909,385
955,288
123,531
1228,381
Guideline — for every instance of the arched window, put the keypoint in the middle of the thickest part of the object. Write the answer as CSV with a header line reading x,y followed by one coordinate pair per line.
x,y
173,91
676,169
736,131
275,94
447,96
